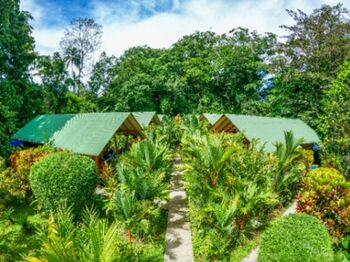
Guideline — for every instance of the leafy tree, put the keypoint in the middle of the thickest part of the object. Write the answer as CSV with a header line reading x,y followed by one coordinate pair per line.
x,y
79,44
335,124
201,72
240,69
54,81
7,127
20,98
101,75
336,102
308,61
318,42
135,79
78,104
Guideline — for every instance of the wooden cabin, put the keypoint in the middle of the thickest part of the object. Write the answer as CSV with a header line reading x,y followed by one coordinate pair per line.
x,y
87,133
268,130
211,119
146,119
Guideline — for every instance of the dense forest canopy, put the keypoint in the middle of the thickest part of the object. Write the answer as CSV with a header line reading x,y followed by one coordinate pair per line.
x,y
305,74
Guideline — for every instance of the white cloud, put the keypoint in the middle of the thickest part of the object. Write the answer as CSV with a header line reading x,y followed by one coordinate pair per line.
x,y
46,37
122,30
33,7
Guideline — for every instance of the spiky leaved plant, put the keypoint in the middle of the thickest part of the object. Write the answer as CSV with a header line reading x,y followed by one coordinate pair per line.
x,y
286,154
210,159
92,239
126,209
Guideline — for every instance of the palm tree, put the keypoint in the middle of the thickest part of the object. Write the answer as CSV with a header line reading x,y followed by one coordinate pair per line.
x,y
72,59
286,154
211,158
149,156
146,186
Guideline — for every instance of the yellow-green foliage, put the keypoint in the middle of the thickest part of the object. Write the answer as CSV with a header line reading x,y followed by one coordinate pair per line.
x,y
325,194
2,164
14,180
306,157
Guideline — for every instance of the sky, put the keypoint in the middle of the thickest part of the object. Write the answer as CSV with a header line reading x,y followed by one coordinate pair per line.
x,y
159,24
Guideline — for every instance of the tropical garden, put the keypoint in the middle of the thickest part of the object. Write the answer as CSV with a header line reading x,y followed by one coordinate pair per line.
x,y
58,206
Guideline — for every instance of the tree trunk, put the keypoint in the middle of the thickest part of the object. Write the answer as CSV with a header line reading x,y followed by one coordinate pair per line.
x,y
275,181
129,236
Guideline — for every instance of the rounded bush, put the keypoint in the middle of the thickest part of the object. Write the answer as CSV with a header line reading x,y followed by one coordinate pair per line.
x,y
63,177
297,237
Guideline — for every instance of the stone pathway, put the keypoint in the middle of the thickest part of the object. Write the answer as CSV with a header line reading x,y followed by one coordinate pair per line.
x,y
254,254
178,235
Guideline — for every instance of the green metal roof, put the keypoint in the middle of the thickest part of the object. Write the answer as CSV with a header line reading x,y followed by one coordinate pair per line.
x,y
271,129
89,133
212,118
145,118
160,116
41,129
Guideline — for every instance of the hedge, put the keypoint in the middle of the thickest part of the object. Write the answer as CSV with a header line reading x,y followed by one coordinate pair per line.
x,y
63,177
297,237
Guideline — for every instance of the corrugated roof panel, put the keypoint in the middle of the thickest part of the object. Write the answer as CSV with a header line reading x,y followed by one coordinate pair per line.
x,y
89,133
41,129
144,118
270,130
160,116
212,118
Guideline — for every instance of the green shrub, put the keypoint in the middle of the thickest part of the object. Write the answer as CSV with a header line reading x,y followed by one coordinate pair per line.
x,y
342,249
14,180
63,177
150,156
325,194
336,154
2,164
297,237
229,187
90,239
306,157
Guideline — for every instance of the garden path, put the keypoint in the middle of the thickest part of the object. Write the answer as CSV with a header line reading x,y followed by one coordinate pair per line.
x,y
178,235
254,254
